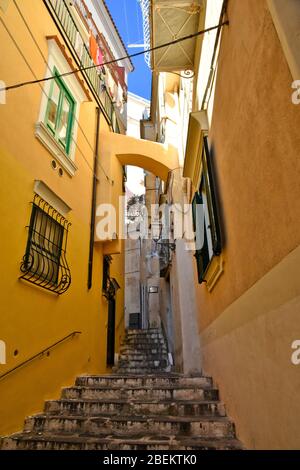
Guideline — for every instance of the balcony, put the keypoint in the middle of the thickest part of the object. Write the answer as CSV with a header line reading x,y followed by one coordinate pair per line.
x,y
172,19
66,23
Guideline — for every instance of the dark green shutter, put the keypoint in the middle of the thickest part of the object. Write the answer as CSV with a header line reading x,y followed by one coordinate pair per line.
x,y
202,255
207,182
211,200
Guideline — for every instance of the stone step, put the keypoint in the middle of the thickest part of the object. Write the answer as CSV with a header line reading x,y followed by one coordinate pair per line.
x,y
144,345
147,380
150,332
138,407
136,357
28,441
149,336
138,371
170,392
147,350
144,340
134,426
144,364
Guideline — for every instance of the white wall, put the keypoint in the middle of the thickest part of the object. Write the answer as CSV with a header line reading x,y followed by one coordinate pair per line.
x,y
136,106
213,12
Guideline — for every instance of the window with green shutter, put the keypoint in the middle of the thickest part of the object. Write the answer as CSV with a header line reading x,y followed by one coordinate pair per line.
x,y
206,219
60,113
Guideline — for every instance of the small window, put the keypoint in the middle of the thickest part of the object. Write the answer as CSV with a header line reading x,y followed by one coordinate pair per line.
x,y
60,113
44,262
206,220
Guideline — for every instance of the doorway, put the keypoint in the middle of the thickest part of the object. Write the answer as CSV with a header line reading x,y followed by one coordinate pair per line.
x,y
110,356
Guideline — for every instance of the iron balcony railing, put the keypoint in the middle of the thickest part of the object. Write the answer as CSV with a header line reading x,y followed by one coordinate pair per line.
x,y
68,28
90,24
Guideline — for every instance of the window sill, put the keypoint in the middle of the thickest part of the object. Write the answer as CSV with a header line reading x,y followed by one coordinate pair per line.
x,y
45,137
214,272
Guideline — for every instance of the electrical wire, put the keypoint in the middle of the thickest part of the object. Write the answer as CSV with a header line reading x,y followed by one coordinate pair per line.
x,y
126,20
47,65
140,35
127,56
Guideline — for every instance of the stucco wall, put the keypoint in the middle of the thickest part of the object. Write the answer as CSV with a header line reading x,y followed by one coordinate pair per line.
x,y
250,319
255,148
32,319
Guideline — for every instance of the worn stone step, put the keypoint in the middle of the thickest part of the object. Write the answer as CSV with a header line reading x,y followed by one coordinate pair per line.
x,y
152,337
145,363
138,354
141,356
144,346
134,426
144,337
149,332
28,441
138,370
147,380
143,350
138,407
154,365
170,392
146,351
144,360
136,357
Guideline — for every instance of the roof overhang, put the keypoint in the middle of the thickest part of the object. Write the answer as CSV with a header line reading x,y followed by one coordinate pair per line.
x,y
173,19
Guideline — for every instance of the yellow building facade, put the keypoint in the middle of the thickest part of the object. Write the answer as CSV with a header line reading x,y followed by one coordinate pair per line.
x,y
236,132
48,176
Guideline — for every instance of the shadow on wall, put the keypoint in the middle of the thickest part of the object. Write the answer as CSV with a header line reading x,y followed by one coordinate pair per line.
x,y
218,196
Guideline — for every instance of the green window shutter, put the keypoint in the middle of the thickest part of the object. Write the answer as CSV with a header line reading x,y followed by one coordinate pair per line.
x,y
60,112
203,254
211,200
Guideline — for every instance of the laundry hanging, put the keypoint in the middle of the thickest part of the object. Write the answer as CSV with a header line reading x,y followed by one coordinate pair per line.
x,y
120,100
121,72
78,45
93,48
99,59
111,85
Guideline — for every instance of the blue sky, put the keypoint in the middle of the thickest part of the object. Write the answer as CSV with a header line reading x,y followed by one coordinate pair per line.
x,y
128,18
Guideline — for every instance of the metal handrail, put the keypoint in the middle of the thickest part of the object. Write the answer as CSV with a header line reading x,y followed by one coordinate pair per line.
x,y
41,353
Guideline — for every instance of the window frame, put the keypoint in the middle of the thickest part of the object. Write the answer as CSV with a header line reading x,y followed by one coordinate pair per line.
x,y
39,246
44,263
212,242
64,94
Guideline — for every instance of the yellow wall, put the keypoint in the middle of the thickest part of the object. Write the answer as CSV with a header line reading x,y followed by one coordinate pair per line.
x,y
250,319
31,319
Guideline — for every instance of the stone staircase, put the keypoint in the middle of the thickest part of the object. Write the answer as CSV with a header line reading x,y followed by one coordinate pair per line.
x,y
143,352
135,409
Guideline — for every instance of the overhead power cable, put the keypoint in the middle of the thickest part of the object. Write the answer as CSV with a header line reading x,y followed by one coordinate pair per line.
x,y
128,56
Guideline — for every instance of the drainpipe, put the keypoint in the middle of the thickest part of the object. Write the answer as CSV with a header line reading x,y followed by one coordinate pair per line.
x,y
93,204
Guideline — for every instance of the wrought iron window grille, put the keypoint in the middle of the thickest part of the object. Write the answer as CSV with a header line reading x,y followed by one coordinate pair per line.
x,y
44,263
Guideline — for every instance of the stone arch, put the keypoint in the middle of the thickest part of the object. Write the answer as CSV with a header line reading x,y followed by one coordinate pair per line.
x,y
156,158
